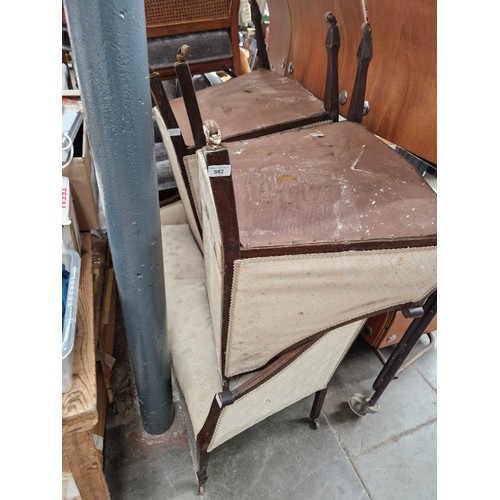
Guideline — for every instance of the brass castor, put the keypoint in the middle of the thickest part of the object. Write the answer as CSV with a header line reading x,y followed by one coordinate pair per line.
x,y
360,405
201,489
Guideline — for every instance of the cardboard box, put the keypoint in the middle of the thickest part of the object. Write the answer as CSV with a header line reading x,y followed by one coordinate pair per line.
x,y
70,226
80,173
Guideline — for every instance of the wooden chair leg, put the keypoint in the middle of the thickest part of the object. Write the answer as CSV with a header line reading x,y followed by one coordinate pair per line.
x,y
364,56
205,435
332,45
203,457
363,405
185,80
259,35
319,399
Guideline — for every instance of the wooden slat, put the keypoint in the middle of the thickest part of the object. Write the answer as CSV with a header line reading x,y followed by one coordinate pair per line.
x,y
99,266
105,345
189,27
85,464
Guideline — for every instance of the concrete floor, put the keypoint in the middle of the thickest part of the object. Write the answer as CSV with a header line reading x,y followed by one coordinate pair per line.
x,y
390,455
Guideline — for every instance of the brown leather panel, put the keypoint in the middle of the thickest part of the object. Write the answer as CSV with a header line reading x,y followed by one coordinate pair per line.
x,y
250,102
294,189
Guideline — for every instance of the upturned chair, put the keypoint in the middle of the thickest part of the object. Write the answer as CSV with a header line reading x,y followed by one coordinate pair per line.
x,y
260,102
220,408
255,104
306,233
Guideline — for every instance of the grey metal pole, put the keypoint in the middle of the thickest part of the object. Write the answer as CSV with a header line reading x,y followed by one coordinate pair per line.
x,y
110,55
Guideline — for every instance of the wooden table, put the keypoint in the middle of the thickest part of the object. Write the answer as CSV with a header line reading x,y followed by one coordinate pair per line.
x,y
79,405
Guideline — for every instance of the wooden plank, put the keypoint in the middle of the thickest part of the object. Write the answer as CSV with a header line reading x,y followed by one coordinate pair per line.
x,y
84,407
85,464
99,263
105,345
187,27
69,487
79,405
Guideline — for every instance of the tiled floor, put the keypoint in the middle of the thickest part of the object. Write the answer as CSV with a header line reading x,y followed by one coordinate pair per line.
x,y
382,456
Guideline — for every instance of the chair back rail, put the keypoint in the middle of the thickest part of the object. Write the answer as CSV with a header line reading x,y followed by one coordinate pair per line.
x,y
174,17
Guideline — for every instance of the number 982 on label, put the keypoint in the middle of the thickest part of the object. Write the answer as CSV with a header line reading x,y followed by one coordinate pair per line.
x,y
219,170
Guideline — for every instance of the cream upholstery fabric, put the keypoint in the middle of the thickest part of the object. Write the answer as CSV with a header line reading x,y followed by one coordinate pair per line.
x,y
275,302
193,354
309,373
190,335
212,243
173,214
191,166
179,180
278,301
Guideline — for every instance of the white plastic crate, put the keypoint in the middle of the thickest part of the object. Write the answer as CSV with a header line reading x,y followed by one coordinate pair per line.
x,y
71,261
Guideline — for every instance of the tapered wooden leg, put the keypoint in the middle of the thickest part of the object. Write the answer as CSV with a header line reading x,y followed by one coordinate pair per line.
x,y
206,433
203,457
319,398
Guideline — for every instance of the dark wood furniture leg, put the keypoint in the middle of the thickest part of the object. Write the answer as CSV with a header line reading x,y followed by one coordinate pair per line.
x,y
332,45
409,361
319,399
364,55
222,399
201,473
160,100
361,405
259,35
189,95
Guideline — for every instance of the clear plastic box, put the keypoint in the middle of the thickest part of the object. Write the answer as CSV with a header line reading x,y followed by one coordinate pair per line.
x,y
71,261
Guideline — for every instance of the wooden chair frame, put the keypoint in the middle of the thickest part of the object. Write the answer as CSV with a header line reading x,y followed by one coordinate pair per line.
x,y
224,198
190,101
